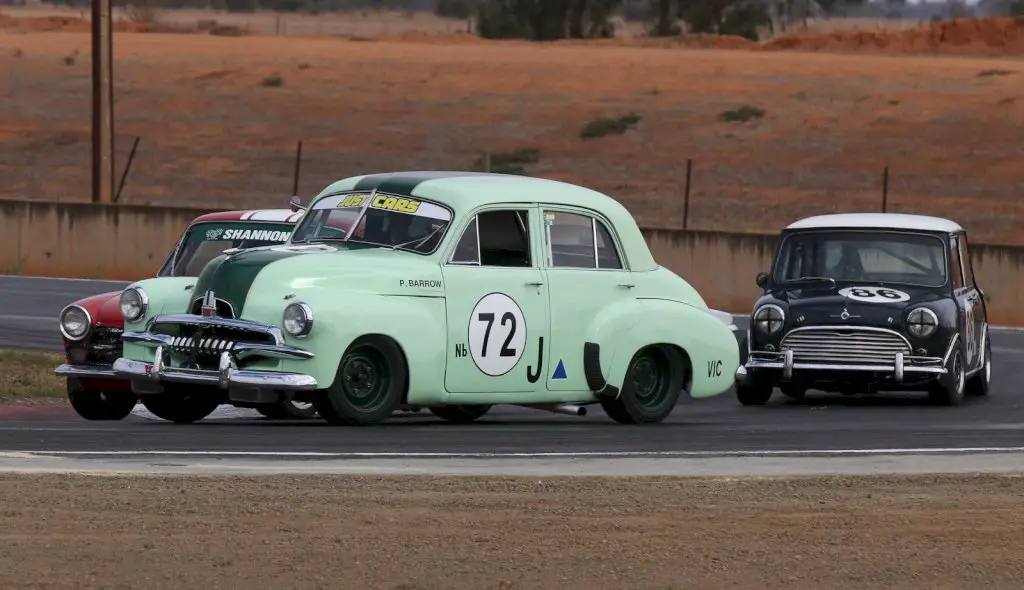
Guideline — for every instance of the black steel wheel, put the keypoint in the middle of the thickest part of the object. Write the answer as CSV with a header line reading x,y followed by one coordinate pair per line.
x,y
100,405
368,386
652,386
949,390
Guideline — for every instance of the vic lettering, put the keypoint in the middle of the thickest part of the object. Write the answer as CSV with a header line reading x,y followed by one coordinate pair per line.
x,y
714,368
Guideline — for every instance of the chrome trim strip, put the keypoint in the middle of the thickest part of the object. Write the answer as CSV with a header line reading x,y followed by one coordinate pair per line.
x,y
949,351
85,370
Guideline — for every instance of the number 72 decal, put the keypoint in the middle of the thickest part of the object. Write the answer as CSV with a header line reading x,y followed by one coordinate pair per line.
x,y
497,334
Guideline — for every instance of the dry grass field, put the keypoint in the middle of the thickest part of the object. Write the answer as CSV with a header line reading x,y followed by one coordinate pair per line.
x,y
815,533
219,118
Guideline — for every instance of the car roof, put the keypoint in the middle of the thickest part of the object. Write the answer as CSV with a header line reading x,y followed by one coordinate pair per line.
x,y
463,191
266,215
878,221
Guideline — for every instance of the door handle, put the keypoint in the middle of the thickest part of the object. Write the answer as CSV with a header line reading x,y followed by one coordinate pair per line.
x,y
535,284
627,285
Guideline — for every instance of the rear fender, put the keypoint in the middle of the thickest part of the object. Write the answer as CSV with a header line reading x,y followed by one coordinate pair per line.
x,y
705,341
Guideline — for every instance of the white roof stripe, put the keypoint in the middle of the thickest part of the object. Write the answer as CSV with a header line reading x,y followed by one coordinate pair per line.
x,y
270,215
878,221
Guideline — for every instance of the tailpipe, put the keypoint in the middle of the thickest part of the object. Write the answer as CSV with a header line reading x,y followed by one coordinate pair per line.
x,y
568,409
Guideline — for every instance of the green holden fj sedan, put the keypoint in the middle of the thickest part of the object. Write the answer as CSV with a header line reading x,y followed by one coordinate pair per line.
x,y
451,291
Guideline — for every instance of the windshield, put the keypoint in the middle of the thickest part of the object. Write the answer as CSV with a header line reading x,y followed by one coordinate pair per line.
x,y
379,219
863,257
206,241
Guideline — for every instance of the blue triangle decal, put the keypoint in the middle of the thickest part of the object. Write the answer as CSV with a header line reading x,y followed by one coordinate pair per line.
x,y
559,371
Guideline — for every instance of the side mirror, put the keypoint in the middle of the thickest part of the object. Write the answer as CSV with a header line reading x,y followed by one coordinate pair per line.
x,y
762,279
296,204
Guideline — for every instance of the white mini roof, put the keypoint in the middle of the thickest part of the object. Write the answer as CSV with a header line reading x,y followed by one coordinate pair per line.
x,y
878,221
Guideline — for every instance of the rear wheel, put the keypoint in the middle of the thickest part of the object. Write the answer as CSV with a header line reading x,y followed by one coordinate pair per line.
x,y
369,385
653,383
183,404
287,409
459,414
100,405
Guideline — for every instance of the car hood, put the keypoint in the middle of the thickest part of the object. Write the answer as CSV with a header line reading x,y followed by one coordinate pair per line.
x,y
103,309
381,271
825,305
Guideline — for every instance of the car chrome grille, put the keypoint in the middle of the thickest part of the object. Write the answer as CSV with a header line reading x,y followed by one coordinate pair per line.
x,y
847,345
104,345
205,346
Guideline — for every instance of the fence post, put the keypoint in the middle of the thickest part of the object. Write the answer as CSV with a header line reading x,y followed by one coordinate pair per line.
x,y
127,167
885,189
686,192
298,166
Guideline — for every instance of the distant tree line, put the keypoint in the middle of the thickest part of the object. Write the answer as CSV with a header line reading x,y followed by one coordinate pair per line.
x,y
549,20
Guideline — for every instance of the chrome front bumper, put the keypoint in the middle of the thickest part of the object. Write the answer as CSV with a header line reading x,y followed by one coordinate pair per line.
x,y
147,377
86,371
900,366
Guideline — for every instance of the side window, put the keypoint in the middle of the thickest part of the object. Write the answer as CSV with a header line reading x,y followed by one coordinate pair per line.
x,y
607,255
467,251
954,263
572,240
496,238
965,261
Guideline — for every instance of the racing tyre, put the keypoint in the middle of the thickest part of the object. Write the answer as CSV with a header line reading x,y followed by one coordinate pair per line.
x,y
653,383
756,390
949,391
369,385
183,407
100,405
978,385
287,409
459,414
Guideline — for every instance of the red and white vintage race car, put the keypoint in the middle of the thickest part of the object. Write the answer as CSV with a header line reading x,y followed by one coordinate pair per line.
x,y
91,327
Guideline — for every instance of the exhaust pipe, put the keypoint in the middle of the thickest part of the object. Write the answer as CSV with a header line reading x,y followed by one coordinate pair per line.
x,y
568,409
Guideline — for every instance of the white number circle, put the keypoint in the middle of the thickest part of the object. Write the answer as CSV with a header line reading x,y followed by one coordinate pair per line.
x,y
497,334
874,294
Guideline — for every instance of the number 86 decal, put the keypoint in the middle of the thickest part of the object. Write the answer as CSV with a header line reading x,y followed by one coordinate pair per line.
x,y
874,294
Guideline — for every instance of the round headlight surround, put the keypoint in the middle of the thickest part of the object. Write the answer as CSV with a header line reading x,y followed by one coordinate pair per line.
x,y
87,320
926,322
763,318
297,326
142,303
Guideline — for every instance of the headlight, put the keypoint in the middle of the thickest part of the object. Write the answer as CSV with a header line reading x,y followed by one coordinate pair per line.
x,y
133,303
769,318
74,322
298,319
922,322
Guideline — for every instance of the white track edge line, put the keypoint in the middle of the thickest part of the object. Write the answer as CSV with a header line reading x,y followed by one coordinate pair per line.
x,y
566,454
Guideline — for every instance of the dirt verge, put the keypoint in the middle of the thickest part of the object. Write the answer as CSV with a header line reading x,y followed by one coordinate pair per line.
x,y
64,531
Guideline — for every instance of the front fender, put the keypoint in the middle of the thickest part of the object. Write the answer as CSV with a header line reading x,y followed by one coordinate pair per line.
x,y
708,343
166,295
417,324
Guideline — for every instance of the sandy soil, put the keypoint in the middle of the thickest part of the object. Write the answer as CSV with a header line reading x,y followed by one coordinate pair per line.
x,y
213,134
361,532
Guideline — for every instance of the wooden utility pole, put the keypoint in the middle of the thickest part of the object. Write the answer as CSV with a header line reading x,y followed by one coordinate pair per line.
x,y
102,103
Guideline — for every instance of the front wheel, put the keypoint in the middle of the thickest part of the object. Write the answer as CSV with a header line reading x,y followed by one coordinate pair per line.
x,y
653,383
949,390
369,385
978,385
287,409
183,406
459,414
100,405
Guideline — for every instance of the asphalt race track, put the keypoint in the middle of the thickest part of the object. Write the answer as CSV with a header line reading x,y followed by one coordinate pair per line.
x,y
820,424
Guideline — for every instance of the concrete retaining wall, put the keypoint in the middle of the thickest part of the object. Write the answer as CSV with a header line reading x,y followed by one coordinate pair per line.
x,y
127,242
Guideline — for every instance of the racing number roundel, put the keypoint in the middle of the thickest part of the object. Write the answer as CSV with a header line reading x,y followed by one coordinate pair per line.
x,y
874,294
497,334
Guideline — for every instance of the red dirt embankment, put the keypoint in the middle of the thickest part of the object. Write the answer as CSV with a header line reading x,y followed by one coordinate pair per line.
x,y
72,24
981,36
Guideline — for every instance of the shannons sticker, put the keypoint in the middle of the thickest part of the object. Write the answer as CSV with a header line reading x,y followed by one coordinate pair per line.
x,y
266,235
